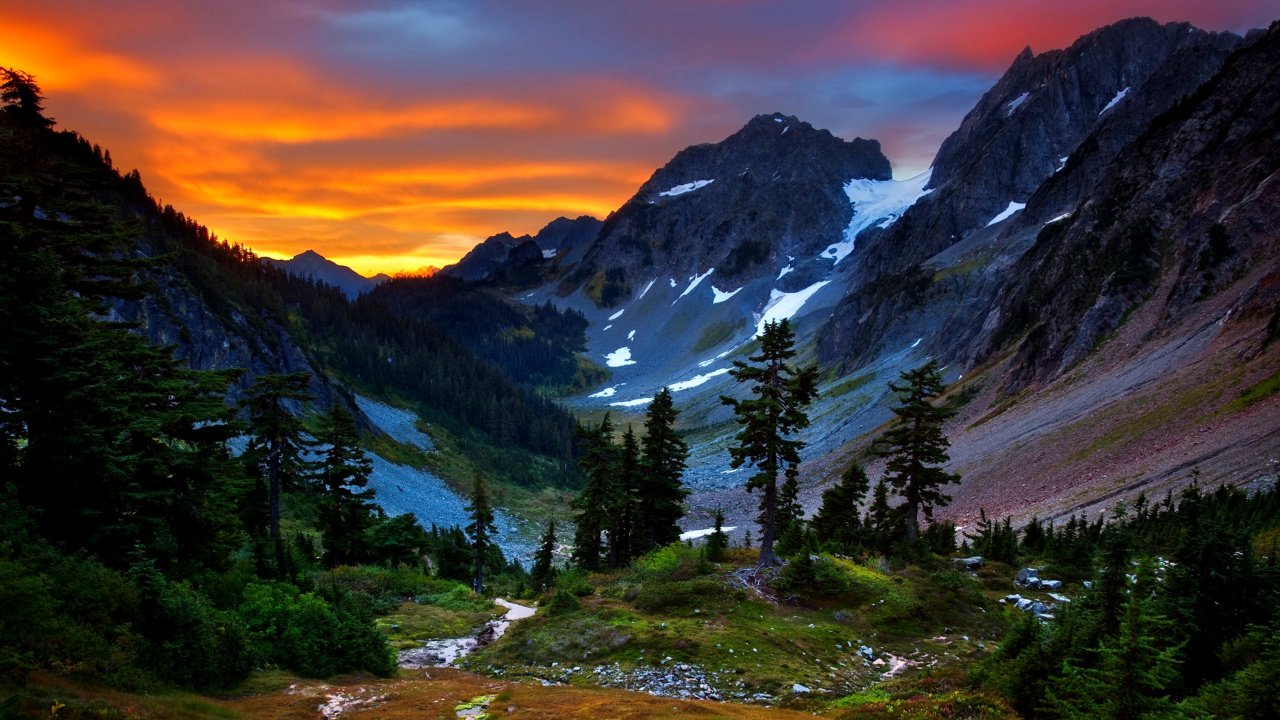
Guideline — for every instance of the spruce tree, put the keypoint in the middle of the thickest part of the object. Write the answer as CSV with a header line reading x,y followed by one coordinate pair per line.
x,y
776,411
277,446
717,541
789,509
479,530
661,491
346,512
882,518
915,446
1133,676
838,519
624,505
600,463
398,539
544,571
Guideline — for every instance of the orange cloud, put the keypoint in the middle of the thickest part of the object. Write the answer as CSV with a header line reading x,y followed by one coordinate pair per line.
x,y
61,62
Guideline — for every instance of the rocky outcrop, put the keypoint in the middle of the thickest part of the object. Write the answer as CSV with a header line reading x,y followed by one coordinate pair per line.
x,y
495,252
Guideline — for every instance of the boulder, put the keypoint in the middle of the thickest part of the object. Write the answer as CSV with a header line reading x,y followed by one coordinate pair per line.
x,y
970,563
1025,575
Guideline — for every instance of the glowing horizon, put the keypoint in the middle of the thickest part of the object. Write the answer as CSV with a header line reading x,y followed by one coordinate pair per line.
x,y
396,135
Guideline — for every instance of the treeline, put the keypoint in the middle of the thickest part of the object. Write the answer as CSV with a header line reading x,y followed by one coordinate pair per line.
x,y
536,345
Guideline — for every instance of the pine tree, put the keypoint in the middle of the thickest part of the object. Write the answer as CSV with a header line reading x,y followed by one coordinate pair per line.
x,y
276,443
717,541
915,446
1133,675
346,512
600,463
882,519
790,511
661,491
544,571
398,539
838,519
624,505
777,410
479,530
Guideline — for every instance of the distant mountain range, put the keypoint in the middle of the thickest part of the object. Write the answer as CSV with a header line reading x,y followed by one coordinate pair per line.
x,y
312,264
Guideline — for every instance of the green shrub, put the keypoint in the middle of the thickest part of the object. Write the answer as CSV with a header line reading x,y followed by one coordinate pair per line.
x,y
574,581
301,632
679,595
458,597
563,603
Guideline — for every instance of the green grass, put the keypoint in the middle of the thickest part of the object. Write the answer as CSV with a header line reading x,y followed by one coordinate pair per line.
x,y
848,385
718,333
1256,394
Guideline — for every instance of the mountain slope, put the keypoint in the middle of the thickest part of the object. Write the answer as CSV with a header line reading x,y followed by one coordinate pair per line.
x,y
559,235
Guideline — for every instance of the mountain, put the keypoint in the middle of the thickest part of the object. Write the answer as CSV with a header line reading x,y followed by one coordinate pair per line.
x,y
1065,213
311,264
559,235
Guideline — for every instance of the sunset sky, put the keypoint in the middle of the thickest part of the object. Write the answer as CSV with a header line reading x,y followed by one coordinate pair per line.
x,y
390,136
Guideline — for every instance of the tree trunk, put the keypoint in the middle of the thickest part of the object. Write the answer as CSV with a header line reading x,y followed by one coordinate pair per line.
x,y
913,522
479,583
767,558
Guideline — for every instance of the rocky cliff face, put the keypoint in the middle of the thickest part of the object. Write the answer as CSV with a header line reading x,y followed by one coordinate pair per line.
x,y
1057,118
496,251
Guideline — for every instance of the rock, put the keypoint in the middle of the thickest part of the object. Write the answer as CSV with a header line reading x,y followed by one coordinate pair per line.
x,y
1050,584
798,688
970,563
1025,575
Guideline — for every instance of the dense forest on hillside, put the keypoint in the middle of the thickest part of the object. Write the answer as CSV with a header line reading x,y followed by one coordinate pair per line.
x,y
537,346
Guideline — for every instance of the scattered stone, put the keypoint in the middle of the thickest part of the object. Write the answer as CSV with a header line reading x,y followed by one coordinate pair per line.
x,y
970,563
798,688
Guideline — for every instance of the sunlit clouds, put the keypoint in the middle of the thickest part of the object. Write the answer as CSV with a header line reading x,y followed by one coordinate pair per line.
x,y
392,136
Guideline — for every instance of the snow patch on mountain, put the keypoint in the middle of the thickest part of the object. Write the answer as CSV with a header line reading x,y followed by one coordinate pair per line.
x,y
607,392
784,271
646,288
877,200
632,403
783,306
1006,213
1119,96
617,315
693,283
1016,103
687,187
619,358
721,295
697,380
1063,216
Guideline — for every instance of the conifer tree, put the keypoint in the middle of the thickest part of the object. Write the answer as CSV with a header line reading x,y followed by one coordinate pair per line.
x,y
276,443
398,539
479,530
881,518
1133,676
915,446
346,512
661,491
789,508
838,519
624,505
776,411
544,571
599,462
717,541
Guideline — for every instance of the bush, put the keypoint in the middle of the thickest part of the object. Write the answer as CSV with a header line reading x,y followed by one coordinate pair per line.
x,y
574,581
194,644
680,595
457,597
563,603
301,632
828,576
676,561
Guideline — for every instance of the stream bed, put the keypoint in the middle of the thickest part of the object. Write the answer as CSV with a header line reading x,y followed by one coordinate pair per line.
x,y
446,651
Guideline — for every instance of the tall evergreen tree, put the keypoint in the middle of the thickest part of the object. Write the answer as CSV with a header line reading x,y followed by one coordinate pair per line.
x,y
397,540
126,443
277,445
600,463
625,504
790,511
661,492
882,518
717,541
838,519
776,411
479,529
1133,676
915,446
346,511
544,571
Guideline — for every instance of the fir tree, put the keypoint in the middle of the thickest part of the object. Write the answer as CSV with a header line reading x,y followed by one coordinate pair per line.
x,y
881,518
789,511
624,505
717,541
661,492
276,443
599,462
915,446
479,530
544,571
398,539
346,513
1133,675
838,519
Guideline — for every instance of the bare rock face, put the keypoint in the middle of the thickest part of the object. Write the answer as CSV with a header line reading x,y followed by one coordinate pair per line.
x,y
495,252
1046,130
774,188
